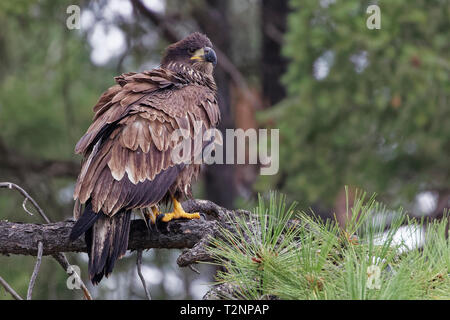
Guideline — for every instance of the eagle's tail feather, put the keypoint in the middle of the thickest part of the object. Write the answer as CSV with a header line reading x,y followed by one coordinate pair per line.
x,y
107,241
84,223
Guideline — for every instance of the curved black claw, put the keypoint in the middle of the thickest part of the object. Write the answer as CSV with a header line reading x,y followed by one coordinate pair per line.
x,y
203,215
149,223
160,225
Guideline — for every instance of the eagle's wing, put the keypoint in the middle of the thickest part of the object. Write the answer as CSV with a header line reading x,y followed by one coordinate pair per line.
x,y
128,147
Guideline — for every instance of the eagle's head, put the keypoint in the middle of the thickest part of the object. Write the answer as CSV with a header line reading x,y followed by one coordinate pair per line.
x,y
194,51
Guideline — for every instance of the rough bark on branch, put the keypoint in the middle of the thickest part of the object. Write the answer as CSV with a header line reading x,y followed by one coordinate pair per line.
x,y
23,238
192,235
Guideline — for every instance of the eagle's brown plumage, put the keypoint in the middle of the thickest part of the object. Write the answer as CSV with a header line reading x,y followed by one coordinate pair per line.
x,y
127,149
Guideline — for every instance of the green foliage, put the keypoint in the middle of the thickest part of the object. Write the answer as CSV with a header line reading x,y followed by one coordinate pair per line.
x,y
277,252
48,87
380,119
45,103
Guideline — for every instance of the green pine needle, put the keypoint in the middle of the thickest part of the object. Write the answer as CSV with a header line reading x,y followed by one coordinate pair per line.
x,y
280,252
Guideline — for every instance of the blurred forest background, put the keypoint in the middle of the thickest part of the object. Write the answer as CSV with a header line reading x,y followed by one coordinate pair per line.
x,y
358,107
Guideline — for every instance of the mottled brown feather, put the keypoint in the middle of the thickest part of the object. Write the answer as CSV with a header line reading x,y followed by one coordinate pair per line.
x,y
136,119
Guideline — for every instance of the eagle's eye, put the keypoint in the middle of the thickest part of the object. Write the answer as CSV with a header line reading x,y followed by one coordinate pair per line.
x,y
191,51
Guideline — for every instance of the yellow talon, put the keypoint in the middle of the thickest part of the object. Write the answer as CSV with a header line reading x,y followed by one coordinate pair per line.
x,y
178,212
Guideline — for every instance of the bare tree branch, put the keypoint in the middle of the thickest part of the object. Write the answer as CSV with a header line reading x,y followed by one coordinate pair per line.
x,y
60,257
9,289
205,206
274,33
35,271
53,238
64,263
22,238
193,269
139,271
197,253
11,185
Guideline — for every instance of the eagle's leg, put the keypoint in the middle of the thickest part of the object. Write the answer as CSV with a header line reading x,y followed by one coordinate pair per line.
x,y
178,212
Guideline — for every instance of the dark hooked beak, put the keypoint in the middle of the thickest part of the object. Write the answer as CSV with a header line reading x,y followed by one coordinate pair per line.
x,y
210,55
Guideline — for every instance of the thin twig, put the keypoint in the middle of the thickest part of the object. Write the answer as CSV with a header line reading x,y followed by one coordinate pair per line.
x,y
36,270
9,289
62,260
139,271
193,269
11,185
24,206
274,33
60,257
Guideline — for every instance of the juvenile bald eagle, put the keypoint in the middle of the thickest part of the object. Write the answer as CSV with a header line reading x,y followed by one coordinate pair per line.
x,y
127,149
